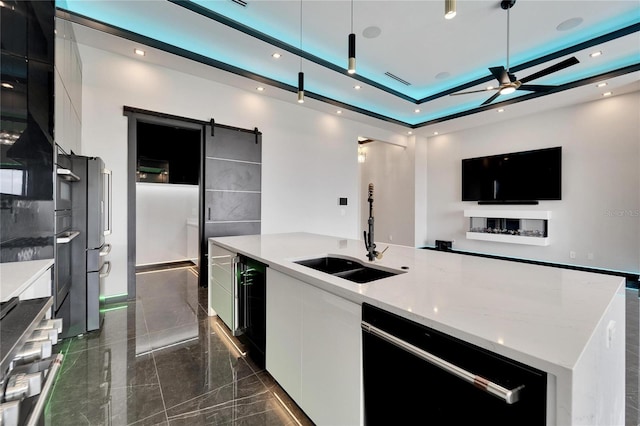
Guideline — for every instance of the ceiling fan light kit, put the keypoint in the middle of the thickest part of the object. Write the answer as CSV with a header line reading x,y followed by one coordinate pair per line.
x,y
508,81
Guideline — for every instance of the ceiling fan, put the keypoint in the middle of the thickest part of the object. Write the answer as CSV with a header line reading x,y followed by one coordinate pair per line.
x,y
508,81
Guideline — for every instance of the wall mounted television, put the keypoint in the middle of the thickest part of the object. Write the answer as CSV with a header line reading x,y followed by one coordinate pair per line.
x,y
514,178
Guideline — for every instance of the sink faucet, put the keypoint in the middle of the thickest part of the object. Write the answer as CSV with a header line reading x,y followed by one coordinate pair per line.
x,y
368,238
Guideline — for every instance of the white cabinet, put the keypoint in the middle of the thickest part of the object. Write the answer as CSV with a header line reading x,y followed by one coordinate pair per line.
x,y
221,284
284,331
313,349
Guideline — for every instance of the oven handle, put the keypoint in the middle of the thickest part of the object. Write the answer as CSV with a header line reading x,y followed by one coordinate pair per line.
x,y
67,239
44,393
510,396
105,274
67,174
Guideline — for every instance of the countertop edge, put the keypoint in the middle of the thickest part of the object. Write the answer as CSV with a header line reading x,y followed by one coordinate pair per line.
x,y
18,276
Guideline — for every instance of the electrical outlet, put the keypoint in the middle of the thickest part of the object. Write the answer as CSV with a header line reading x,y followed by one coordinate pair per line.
x,y
572,254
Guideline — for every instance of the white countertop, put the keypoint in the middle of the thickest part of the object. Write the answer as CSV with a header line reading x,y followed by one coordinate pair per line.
x,y
15,277
541,316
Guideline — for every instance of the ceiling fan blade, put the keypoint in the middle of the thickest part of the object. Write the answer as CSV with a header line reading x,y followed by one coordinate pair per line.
x,y
535,87
473,91
553,68
500,74
488,101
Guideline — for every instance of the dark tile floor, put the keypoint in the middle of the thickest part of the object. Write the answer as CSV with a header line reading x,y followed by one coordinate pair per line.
x,y
161,360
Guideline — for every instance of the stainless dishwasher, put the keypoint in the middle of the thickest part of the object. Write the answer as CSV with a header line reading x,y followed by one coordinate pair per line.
x,y
413,374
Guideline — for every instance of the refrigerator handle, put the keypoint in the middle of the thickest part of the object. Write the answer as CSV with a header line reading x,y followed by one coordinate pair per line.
x,y
106,249
105,274
109,198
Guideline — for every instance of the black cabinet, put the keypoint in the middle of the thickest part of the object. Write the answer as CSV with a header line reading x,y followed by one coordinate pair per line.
x,y
26,129
417,375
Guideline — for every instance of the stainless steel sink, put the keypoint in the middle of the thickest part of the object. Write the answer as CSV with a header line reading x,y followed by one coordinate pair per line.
x,y
346,268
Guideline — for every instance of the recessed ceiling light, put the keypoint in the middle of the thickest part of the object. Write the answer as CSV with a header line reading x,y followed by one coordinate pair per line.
x,y
139,52
569,24
409,132
436,133
490,87
260,89
357,87
7,85
607,94
595,54
339,112
501,110
276,55
601,84
416,110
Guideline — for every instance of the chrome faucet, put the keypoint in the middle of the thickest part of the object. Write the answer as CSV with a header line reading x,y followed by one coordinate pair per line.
x,y
368,238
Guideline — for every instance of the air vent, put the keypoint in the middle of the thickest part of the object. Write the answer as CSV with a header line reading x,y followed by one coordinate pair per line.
x,y
240,3
396,78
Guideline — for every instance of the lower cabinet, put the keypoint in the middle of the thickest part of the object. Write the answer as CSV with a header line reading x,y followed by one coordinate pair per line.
x,y
314,349
221,283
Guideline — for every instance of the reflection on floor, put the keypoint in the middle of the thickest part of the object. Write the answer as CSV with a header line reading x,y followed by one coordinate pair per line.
x,y
161,360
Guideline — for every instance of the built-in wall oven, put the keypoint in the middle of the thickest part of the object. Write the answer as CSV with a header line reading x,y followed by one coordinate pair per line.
x,y
63,255
65,235
413,374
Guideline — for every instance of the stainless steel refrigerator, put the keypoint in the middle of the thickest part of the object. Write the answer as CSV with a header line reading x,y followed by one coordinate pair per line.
x,y
91,216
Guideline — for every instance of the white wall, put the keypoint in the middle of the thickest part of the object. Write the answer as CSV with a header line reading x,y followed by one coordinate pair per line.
x,y
390,169
598,212
309,158
162,212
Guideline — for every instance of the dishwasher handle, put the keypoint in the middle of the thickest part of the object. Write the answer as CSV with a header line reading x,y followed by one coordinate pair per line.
x,y
510,396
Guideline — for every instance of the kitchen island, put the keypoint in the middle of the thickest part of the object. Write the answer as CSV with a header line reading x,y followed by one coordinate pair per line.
x,y
568,324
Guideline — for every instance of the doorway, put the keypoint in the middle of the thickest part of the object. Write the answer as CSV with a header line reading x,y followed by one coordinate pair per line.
x,y
164,186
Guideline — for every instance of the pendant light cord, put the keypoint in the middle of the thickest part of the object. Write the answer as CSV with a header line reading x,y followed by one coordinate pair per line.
x,y
508,10
301,35
352,16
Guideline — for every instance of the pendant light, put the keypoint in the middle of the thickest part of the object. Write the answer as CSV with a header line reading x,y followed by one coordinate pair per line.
x,y
351,69
449,9
300,74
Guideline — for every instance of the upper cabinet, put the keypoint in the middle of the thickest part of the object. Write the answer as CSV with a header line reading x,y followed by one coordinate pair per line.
x,y
68,89
26,102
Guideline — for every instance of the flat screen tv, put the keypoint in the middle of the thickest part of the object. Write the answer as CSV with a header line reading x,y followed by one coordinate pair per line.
x,y
516,177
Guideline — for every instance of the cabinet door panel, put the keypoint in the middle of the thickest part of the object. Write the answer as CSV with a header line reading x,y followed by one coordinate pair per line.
x,y
222,303
331,347
284,331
